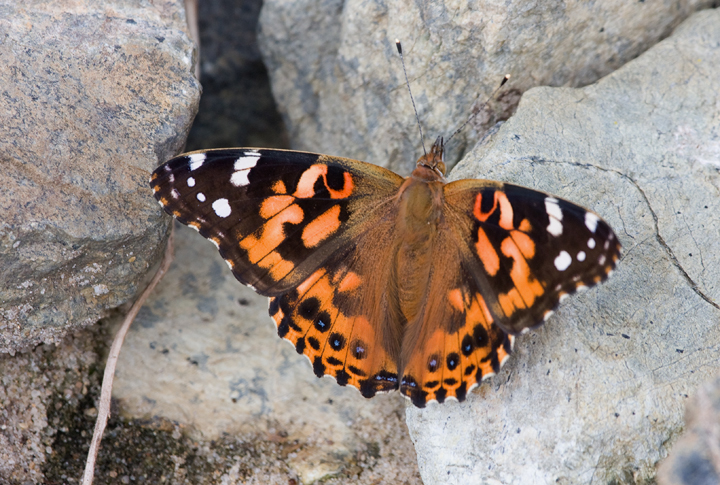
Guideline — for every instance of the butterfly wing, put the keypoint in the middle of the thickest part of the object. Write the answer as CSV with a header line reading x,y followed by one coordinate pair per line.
x,y
513,254
454,343
275,215
340,317
310,231
531,248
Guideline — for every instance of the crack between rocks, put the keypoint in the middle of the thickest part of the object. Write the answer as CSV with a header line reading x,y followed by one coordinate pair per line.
x,y
658,237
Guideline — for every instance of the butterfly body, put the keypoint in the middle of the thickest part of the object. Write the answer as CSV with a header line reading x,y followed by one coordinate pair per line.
x,y
386,282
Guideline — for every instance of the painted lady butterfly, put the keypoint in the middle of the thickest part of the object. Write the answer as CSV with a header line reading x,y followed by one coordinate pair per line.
x,y
386,282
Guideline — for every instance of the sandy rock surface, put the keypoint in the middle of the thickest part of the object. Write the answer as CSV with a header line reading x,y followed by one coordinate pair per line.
x,y
94,96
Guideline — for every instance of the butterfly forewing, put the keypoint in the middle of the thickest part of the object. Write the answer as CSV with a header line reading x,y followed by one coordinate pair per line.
x,y
529,249
275,215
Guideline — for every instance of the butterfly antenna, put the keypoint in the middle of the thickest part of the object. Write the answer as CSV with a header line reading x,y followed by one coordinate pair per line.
x,y
407,83
502,83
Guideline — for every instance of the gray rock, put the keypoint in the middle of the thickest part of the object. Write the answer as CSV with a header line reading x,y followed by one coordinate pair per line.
x,y
339,84
93,98
695,457
596,394
204,353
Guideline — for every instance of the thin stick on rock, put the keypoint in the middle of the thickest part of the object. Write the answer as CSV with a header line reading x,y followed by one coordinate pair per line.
x,y
106,393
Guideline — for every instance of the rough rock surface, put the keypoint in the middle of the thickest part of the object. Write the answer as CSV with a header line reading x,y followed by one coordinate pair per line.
x,y
597,394
695,457
93,97
204,353
339,84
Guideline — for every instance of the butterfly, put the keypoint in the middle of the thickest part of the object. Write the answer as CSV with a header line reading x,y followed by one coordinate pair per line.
x,y
386,282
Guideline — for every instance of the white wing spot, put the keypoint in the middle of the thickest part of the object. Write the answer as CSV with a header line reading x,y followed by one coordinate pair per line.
x,y
563,297
196,160
548,314
591,243
221,207
239,179
581,256
601,259
214,242
563,261
171,178
581,288
191,182
201,197
242,167
247,160
555,215
591,221
175,194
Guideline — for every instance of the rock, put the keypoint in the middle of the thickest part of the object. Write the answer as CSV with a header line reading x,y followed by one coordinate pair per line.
x,y
596,394
339,84
219,368
695,457
93,98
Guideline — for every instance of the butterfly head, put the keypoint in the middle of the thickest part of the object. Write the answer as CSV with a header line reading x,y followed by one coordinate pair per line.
x,y
431,166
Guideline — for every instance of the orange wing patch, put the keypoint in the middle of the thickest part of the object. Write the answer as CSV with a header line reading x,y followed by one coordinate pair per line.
x,y
306,185
517,245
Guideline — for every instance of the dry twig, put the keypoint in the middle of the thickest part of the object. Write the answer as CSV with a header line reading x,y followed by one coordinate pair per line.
x,y
106,393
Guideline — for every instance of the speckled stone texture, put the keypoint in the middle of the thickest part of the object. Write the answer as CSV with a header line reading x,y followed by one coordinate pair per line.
x,y
92,97
597,394
695,457
339,84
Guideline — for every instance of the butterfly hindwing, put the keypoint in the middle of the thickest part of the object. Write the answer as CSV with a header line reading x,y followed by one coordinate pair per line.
x,y
275,215
455,343
339,317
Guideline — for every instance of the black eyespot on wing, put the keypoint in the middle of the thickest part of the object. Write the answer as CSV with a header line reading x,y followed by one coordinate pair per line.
x,y
433,363
309,308
453,360
467,346
337,341
359,349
